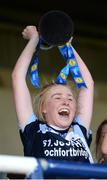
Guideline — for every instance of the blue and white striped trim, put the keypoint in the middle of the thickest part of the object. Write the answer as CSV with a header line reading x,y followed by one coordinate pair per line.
x,y
31,119
76,128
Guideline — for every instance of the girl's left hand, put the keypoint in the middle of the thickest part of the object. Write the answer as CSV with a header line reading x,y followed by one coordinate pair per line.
x,y
29,32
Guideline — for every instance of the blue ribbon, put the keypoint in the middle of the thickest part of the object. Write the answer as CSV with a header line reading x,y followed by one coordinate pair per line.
x,y
72,67
34,72
34,77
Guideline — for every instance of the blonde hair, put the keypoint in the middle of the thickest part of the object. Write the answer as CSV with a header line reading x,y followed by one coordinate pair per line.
x,y
40,99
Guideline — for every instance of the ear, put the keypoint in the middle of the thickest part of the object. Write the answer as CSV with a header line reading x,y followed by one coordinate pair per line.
x,y
44,109
44,113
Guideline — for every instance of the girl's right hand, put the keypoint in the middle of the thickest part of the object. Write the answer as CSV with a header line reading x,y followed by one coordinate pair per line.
x,y
29,32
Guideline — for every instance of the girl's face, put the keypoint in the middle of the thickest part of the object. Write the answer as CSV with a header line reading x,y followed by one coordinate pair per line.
x,y
59,107
103,134
104,130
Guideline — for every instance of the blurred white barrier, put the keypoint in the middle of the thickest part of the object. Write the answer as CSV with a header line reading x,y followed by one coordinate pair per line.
x,y
17,164
51,169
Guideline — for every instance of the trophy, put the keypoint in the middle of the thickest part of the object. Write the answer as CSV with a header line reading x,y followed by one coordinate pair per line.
x,y
55,29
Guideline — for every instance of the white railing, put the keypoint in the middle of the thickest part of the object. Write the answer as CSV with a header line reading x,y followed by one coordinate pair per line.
x,y
39,168
17,164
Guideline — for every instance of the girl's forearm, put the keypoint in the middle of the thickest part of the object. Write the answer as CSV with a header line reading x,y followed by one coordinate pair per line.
x,y
24,59
84,70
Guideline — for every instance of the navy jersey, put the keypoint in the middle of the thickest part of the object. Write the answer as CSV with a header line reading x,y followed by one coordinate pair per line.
x,y
43,141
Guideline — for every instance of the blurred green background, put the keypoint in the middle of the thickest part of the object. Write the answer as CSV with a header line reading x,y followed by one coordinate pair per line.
x,y
90,40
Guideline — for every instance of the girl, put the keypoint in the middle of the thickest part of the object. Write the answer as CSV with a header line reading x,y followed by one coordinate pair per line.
x,y
101,142
60,128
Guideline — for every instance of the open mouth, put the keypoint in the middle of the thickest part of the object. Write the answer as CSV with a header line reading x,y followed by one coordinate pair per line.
x,y
64,112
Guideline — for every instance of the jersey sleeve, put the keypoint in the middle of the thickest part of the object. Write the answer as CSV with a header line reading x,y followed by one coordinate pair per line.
x,y
80,129
31,119
27,135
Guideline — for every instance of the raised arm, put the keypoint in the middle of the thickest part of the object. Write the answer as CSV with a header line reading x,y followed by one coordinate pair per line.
x,y
21,94
85,98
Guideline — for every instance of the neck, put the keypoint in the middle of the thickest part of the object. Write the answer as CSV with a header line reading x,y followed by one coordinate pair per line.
x,y
57,128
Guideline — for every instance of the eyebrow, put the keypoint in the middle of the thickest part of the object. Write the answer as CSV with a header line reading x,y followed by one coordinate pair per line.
x,y
61,94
